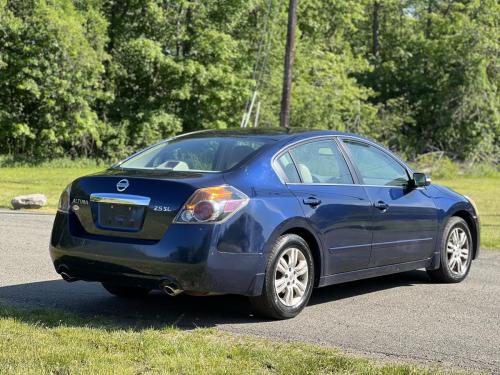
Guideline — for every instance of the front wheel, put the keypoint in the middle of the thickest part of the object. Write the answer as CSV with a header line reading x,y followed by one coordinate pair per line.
x,y
125,291
456,253
288,281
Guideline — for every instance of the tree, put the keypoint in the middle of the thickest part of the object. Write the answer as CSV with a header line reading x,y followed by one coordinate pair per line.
x,y
51,63
105,77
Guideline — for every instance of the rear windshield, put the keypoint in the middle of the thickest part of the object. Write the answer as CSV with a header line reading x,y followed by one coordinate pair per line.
x,y
195,154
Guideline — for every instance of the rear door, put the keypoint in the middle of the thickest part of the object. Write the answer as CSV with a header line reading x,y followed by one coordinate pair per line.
x,y
337,208
404,218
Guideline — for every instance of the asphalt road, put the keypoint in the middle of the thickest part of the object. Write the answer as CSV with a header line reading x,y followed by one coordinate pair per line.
x,y
401,317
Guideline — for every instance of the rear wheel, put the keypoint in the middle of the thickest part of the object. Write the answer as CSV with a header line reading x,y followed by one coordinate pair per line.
x,y
288,281
456,253
126,291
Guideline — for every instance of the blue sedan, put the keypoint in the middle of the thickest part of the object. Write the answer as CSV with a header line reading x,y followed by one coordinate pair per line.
x,y
266,213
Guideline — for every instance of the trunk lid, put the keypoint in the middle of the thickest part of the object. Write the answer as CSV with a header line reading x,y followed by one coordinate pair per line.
x,y
135,204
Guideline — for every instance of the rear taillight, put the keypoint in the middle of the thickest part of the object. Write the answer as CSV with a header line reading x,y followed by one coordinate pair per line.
x,y
63,205
212,204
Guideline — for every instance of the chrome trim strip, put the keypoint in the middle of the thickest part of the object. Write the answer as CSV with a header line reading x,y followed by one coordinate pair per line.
x,y
353,184
134,200
349,247
334,137
402,241
378,244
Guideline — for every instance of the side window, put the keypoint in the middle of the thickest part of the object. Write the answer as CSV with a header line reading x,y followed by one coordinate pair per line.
x,y
375,166
288,168
321,162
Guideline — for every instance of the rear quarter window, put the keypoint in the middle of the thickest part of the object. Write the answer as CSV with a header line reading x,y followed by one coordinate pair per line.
x,y
287,168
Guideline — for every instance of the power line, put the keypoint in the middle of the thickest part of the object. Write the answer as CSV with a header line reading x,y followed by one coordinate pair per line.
x,y
260,65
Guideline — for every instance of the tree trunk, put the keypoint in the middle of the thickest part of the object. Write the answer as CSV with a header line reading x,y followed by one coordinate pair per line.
x,y
375,29
429,20
188,42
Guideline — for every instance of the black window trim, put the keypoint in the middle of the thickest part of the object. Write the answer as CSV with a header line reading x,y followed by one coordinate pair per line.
x,y
282,173
289,147
408,170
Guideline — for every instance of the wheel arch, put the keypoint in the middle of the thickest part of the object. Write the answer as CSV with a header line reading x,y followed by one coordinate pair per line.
x,y
474,230
300,227
314,246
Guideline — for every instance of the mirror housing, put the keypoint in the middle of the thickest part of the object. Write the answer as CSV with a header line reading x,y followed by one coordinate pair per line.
x,y
421,180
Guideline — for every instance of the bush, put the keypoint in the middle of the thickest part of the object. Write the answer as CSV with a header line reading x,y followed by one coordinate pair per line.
x,y
10,161
438,165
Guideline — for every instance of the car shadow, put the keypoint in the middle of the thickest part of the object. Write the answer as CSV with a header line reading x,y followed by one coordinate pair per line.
x,y
157,310
365,286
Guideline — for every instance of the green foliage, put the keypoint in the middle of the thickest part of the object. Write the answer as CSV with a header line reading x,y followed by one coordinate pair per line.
x,y
326,94
101,78
50,78
440,59
438,165
9,161
183,68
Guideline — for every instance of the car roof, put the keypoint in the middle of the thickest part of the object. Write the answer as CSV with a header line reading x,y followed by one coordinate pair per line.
x,y
276,134
284,136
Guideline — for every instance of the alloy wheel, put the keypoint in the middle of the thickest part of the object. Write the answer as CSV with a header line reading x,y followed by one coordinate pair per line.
x,y
291,277
458,251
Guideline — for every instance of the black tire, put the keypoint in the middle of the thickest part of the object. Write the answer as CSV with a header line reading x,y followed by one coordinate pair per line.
x,y
444,274
268,304
126,291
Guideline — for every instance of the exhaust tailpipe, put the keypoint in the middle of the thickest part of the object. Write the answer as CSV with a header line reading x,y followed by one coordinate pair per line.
x,y
64,272
67,277
172,289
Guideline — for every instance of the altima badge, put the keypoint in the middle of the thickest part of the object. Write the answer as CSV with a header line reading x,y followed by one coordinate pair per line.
x,y
122,185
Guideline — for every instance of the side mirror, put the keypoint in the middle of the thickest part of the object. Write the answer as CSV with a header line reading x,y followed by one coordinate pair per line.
x,y
420,180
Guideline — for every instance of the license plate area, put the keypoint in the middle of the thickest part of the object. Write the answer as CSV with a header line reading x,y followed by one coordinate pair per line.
x,y
120,216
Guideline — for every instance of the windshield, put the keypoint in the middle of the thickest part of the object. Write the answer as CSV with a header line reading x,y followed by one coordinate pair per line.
x,y
195,154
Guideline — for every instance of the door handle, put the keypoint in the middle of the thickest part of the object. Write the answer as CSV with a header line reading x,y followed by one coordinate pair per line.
x,y
381,205
311,201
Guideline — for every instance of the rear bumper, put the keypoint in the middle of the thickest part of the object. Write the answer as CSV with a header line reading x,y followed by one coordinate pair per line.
x,y
186,255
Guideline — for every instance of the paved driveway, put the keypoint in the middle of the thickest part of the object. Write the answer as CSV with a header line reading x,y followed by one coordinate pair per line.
x,y
398,317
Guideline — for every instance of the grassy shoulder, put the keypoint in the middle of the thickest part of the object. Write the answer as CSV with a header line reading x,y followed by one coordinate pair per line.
x,y
485,191
51,342
46,180
51,180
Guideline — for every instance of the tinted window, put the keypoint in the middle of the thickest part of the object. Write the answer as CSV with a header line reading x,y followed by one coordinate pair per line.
x,y
288,168
321,162
195,154
377,167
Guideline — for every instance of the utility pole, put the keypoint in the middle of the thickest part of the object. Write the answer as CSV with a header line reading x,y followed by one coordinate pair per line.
x,y
375,28
289,57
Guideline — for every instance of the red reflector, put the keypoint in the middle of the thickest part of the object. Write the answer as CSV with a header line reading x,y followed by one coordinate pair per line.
x,y
232,205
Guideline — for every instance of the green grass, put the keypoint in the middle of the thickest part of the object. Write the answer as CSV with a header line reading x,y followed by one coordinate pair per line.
x,y
485,192
51,180
46,180
51,342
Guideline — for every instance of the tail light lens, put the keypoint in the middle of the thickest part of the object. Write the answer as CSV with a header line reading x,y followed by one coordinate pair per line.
x,y
63,205
211,205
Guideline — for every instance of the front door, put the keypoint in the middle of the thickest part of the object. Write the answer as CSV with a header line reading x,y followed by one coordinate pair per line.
x,y
337,208
404,218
